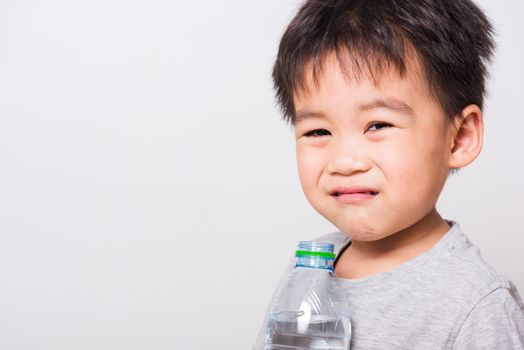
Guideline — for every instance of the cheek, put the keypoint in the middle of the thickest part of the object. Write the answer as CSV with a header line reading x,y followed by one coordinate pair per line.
x,y
310,166
397,159
416,168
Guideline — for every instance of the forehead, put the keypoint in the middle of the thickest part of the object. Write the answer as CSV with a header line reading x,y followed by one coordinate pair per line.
x,y
339,80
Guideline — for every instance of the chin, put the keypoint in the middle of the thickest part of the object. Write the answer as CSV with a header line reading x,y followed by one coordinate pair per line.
x,y
361,230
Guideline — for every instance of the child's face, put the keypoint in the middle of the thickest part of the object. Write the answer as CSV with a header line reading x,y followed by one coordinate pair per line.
x,y
390,138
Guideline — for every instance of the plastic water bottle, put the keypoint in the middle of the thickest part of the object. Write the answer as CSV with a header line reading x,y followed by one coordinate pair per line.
x,y
308,310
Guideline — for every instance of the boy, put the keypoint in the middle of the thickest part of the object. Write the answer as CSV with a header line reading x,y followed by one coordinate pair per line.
x,y
386,99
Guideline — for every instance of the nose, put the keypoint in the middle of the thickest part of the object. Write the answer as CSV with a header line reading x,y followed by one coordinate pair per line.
x,y
347,157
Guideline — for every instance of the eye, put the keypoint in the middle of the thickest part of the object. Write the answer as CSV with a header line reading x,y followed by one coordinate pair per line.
x,y
375,126
317,133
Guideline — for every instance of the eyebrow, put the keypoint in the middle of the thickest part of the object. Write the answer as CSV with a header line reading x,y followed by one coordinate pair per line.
x,y
386,103
303,115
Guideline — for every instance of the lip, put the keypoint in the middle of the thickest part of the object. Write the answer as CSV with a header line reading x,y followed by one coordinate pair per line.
x,y
355,194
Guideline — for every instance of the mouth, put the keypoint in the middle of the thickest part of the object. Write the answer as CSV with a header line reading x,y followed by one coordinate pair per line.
x,y
339,191
353,194
371,193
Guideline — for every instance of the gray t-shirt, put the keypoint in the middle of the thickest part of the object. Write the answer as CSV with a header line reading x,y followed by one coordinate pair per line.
x,y
446,298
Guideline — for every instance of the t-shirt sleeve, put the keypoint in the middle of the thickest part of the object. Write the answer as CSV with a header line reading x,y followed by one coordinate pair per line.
x,y
496,322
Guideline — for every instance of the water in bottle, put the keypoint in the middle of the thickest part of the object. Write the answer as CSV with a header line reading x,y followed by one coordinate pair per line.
x,y
308,311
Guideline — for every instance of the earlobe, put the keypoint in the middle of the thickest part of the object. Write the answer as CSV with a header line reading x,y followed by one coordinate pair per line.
x,y
468,136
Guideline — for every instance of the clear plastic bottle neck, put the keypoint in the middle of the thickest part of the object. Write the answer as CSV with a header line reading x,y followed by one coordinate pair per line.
x,y
317,255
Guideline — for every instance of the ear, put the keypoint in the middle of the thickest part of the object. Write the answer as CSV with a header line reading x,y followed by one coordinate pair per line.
x,y
467,137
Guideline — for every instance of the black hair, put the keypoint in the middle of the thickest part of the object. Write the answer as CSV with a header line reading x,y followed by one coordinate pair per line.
x,y
452,40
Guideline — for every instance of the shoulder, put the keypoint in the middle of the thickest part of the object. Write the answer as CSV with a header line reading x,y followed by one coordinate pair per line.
x,y
495,322
466,268
492,312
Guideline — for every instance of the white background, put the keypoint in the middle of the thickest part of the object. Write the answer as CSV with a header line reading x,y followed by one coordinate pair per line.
x,y
148,190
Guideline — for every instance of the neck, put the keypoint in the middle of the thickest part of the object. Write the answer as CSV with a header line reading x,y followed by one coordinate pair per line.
x,y
362,259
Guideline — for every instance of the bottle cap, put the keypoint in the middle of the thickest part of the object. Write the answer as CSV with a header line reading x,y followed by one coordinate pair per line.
x,y
317,255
